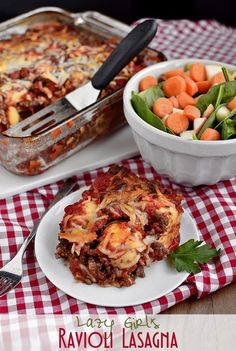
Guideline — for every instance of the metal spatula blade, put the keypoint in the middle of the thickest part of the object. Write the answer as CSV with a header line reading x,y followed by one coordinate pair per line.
x,y
84,96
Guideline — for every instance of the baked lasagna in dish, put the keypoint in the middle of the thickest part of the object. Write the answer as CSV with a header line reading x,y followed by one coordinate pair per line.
x,y
47,62
41,62
121,224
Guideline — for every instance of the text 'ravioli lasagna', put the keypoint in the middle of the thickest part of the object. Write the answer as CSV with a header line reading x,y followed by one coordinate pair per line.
x,y
121,224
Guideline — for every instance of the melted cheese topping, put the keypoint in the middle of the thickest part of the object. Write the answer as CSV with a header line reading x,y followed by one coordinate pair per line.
x,y
172,230
52,52
122,245
139,216
79,236
77,228
128,204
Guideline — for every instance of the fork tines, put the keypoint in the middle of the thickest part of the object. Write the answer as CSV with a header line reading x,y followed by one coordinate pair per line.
x,y
5,285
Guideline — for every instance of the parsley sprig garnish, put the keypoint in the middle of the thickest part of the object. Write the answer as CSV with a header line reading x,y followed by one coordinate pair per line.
x,y
189,255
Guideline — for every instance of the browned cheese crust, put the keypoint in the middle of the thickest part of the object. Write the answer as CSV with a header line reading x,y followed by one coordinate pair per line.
x,y
48,61
122,224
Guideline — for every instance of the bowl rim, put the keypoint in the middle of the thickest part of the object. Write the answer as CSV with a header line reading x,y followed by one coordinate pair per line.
x,y
178,62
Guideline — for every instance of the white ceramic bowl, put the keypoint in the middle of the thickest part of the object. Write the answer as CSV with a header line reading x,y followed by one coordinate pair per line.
x,y
189,162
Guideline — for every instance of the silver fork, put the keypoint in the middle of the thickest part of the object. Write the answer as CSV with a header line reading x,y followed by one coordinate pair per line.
x,y
11,274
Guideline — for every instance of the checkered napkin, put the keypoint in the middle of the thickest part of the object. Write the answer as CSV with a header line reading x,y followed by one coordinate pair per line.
x,y
212,207
203,39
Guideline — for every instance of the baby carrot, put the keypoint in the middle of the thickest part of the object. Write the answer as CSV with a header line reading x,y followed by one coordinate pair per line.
x,y
203,86
218,78
174,86
147,82
210,134
192,112
174,72
232,104
177,122
185,99
162,107
197,72
191,86
174,101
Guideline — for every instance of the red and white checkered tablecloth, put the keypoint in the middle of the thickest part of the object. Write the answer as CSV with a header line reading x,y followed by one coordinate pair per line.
x,y
212,207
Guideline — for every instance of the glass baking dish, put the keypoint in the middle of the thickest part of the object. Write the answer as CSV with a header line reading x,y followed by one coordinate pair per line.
x,y
34,154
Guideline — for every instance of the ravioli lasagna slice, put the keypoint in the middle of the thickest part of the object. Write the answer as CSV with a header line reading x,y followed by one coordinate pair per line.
x,y
121,224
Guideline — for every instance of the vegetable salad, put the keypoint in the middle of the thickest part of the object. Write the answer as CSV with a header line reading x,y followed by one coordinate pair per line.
x,y
196,102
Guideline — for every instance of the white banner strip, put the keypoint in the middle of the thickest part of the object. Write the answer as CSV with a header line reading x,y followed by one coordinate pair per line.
x,y
115,333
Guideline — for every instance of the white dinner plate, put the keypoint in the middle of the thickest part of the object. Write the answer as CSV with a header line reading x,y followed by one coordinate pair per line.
x,y
160,278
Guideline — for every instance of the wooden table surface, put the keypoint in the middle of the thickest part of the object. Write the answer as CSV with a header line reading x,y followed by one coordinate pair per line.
x,y
222,301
